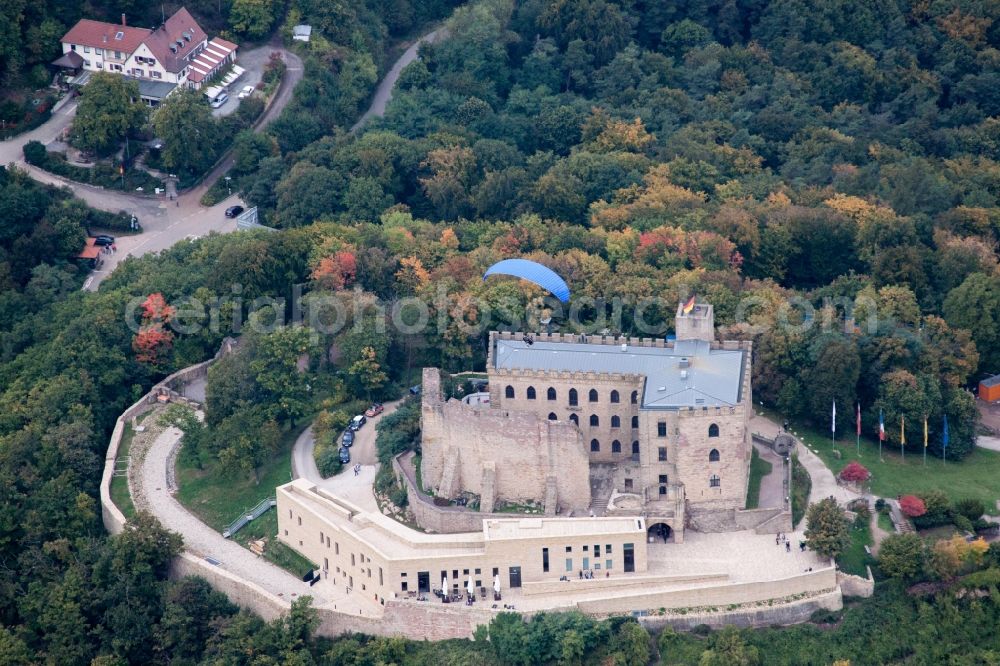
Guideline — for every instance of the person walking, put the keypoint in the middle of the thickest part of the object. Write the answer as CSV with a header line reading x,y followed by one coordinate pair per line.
x,y
788,547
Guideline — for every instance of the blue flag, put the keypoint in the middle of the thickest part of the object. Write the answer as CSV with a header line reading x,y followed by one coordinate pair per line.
x,y
944,435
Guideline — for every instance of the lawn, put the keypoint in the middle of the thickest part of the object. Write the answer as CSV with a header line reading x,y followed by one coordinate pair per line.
x,y
934,534
759,468
119,484
218,497
854,559
801,486
977,475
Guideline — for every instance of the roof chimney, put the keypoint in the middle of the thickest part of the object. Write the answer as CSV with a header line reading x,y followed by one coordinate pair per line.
x,y
684,362
123,19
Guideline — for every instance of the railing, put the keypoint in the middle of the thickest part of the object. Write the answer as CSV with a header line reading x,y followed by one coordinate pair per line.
x,y
252,514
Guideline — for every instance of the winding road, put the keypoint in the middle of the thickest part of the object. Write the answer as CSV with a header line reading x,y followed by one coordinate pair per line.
x,y
164,222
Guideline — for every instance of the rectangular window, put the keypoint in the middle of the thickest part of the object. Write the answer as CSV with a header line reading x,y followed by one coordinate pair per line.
x,y
586,549
300,520
86,49
661,429
663,478
607,549
607,564
99,51
496,571
597,550
328,542
629,550
478,572
321,539
465,572
352,559
155,74
628,484
569,549
661,453
403,586
336,548
454,573
586,563
597,566
326,564
569,564
380,576
545,560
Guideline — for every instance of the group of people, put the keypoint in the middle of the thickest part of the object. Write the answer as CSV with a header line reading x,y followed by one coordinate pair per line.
x,y
782,538
110,249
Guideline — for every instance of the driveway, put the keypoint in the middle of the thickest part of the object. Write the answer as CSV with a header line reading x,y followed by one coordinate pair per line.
x,y
363,452
254,61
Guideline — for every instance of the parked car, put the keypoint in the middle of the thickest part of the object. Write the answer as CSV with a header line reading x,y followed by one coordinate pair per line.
x,y
219,101
357,422
104,240
345,455
233,211
374,410
245,92
348,438
415,390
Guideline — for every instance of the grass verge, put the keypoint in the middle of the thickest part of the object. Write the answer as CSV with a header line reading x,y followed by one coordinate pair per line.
x,y
276,552
885,522
801,486
119,484
854,559
759,468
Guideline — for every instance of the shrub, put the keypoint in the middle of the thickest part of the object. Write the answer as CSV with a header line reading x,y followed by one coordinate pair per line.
x,y
824,616
328,462
882,506
963,523
398,496
701,630
855,472
35,153
912,506
970,507
902,556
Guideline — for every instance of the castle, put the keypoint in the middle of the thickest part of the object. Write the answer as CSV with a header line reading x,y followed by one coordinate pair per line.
x,y
601,426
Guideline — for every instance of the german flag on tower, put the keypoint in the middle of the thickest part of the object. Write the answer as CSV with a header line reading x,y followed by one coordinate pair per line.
x,y
688,305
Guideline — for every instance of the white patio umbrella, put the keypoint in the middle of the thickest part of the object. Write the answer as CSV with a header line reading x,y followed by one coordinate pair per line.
x,y
444,585
496,584
471,590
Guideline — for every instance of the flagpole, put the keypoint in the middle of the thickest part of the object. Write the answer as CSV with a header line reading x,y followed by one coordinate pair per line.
x,y
858,430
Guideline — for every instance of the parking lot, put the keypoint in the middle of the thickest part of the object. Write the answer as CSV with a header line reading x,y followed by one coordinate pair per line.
x,y
253,61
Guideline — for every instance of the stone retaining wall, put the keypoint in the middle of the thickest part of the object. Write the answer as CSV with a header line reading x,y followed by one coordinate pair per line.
x,y
793,612
856,586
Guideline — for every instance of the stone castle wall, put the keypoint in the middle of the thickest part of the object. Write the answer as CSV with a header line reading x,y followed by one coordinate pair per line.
x,y
459,442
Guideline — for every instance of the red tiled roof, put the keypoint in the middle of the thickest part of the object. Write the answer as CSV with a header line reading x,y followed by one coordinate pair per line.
x,y
167,35
103,35
90,251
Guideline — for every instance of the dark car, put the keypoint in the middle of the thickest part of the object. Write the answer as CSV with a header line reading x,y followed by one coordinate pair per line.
x,y
233,211
357,422
348,438
345,455
104,240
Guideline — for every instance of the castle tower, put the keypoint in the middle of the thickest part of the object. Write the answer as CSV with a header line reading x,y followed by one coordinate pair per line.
x,y
698,324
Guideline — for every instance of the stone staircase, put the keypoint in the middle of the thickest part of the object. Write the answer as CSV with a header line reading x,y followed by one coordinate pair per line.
x,y
599,505
551,495
449,478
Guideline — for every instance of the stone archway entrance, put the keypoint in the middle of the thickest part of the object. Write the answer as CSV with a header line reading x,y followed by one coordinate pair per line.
x,y
659,532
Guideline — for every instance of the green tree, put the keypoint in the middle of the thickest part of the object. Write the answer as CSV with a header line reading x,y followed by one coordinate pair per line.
x,y
902,556
281,369
190,135
632,645
827,529
729,649
975,306
252,18
571,649
109,110
367,371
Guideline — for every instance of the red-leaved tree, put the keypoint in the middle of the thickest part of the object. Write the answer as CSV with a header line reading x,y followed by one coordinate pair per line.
x,y
153,340
336,272
912,506
855,472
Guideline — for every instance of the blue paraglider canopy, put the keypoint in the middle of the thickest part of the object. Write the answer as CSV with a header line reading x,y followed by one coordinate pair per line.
x,y
532,271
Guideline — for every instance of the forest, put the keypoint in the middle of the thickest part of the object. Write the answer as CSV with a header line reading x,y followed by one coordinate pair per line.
x,y
791,162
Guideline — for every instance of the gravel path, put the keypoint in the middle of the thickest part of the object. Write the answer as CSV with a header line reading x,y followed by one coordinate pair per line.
x,y
199,538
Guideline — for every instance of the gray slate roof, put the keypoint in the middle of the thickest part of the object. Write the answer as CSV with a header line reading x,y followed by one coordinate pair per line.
x,y
991,381
714,376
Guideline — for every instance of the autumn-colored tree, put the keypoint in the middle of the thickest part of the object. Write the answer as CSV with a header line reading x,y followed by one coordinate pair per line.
x,y
448,185
912,506
153,341
855,472
950,557
412,275
368,372
337,271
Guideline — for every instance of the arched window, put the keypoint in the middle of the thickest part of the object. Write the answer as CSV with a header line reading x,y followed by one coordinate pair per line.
x,y
616,422
614,397
509,392
595,445
573,400
635,449
714,482
616,446
635,421
594,421
713,455
552,416
592,396
551,393
574,418
635,397
713,430
531,393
